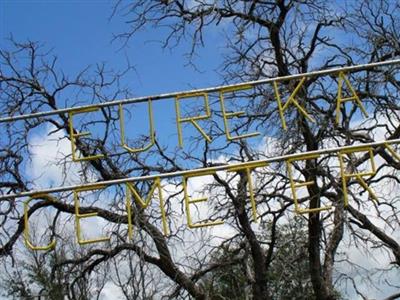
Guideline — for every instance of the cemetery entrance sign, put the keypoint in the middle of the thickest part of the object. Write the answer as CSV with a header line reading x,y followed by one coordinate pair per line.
x,y
346,93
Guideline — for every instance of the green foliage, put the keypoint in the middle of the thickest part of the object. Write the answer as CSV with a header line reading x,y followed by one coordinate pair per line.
x,y
288,273
39,278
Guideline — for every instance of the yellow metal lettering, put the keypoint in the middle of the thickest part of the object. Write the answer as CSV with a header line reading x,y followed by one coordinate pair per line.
x,y
122,130
79,216
294,184
358,175
392,151
193,119
73,135
128,205
228,115
131,191
246,168
291,99
26,223
189,201
353,97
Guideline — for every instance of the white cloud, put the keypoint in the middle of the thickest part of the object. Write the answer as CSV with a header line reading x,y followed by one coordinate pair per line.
x,y
111,291
49,150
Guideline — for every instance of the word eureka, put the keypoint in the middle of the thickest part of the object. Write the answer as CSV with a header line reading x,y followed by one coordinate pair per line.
x,y
193,120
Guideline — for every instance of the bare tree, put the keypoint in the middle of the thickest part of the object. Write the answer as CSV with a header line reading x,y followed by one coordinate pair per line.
x,y
265,39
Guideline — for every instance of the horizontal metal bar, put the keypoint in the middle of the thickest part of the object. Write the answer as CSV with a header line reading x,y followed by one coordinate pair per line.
x,y
225,167
204,90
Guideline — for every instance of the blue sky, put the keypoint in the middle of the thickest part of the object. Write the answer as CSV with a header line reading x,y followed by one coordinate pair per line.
x,y
80,34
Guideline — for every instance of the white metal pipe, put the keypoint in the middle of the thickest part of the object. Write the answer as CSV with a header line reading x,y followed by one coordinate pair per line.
x,y
204,90
186,172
